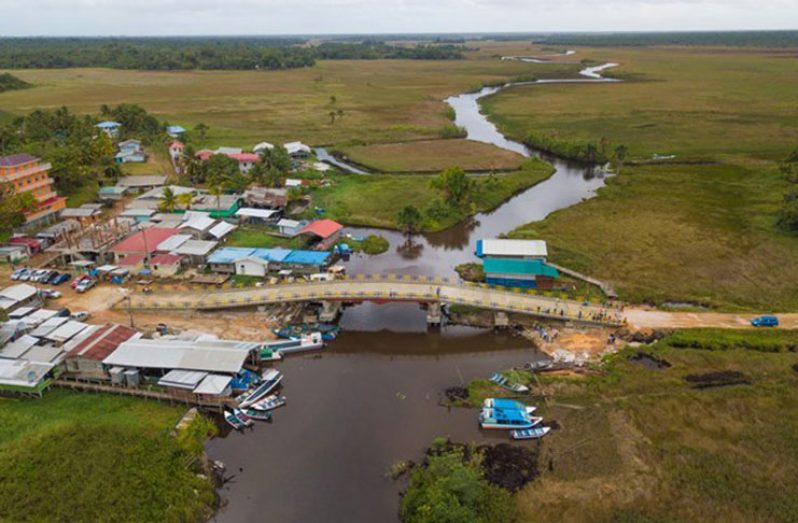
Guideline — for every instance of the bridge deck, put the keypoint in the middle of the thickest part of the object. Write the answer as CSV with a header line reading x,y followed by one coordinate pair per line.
x,y
381,289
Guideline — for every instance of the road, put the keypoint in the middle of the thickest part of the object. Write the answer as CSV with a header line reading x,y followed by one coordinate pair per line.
x,y
654,319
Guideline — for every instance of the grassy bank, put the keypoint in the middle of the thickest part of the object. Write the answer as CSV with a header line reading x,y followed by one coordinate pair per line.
x,y
256,237
80,457
433,156
637,444
375,200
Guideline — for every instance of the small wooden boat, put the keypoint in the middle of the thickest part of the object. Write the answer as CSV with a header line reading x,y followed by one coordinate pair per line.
x,y
233,421
506,419
242,417
259,415
503,382
271,378
533,433
270,402
507,404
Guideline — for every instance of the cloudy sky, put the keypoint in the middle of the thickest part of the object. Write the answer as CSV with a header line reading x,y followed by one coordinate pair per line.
x,y
232,17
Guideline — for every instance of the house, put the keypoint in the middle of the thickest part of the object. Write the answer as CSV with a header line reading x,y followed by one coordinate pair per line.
x,y
33,245
112,193
294,182
143,242
324,233
133,263
85,213
24,375
175,131
223,260
166,265
142,182
17,296
519,272
152,198
221,229
176,149
246,161
502,248
307,262
157,356
262,147
197,224
203,154
138,215
172,242
129,146
196,251
130,151
110,128
266,198
25,173
58,231
252,266
13,253
253,215
227,151
290,228
297,150
85,354
222,206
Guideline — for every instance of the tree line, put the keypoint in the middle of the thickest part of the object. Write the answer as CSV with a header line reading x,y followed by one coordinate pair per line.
x,y
733,38
200,53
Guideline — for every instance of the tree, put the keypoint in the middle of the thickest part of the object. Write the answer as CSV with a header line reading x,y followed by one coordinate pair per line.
x,y
217,190
620,155
331,114
591,153
223,171
277,159
185,200
409,219
13,207
339,113
202,130
333,99
168,200
456,184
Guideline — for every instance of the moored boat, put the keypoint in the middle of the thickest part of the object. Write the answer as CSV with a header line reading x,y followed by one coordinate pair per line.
x,y
269,402
533,433
507,404
242,417
259,415
310,341
505,383
270,354
506,419
271,378
233,421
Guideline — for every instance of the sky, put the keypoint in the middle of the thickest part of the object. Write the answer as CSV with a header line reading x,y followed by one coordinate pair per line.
x,y
273,17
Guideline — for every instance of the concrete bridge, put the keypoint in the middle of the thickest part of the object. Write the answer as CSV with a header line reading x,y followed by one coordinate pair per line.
x,y
429,291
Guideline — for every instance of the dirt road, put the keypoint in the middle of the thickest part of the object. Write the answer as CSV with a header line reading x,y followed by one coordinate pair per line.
x,y
653,319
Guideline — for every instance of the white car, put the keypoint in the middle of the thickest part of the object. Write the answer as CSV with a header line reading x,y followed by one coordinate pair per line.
x,y
86,285
18,273
51,295
80,315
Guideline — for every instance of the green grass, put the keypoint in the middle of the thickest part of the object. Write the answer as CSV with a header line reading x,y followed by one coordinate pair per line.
x,y
81,457
375,200
257,237
87,193
372,244
701,233
636,444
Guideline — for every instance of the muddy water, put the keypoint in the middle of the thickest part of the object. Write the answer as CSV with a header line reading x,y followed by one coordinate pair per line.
x,y
371,398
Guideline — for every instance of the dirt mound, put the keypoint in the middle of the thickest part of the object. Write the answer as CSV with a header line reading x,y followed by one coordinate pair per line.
x,y
717,379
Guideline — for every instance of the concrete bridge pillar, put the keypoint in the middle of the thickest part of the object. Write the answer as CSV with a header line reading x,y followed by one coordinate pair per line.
x,y
434,314
500,320
329,311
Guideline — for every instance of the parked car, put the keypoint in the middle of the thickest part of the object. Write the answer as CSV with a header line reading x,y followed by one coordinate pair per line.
x,y
63,313
63,277
37,274
86,285
79,280
80,315
51,277
17,273
765,321
50,295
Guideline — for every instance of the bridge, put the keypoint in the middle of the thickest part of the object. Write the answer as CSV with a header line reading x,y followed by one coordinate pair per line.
x,y
429,291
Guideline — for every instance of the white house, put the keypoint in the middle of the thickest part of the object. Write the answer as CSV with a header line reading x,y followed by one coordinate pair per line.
x,y
297,149
263,146
252,266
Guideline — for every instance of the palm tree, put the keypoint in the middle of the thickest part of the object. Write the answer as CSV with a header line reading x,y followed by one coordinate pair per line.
x,y
217,190
168,200
185,200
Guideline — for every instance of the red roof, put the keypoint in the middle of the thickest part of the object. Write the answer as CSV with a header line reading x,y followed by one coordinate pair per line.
x,y
131,260
324,228
165,259
176,144
144,241
204,154
16,159
100,344
24,240
245,157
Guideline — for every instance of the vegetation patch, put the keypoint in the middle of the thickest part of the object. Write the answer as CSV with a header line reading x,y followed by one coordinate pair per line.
x,y
717,379
372,244
731,339
257,237
9,82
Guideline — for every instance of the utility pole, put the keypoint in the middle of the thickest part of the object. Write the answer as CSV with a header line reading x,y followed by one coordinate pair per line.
x,y
130,311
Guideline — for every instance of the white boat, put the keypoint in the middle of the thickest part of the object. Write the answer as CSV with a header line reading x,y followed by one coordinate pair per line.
x,y
310,341
270,402
506,419
503,382
507,404
246,420
271,378
533,433
233,420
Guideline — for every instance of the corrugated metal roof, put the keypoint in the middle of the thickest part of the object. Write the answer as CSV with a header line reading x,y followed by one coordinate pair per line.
x,y
23,373
98,342
19,292
182,379
273,255
49,326
196,247
19,347
44,354
503,247
307,257
176,354
67,331
221,229
39,317
251,212
199,221
215,384
230,254
518,266
173,242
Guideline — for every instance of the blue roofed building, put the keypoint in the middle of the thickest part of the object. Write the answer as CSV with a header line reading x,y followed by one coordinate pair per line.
x,y
256,262
109,127
224,259
175,131
306,261
519,272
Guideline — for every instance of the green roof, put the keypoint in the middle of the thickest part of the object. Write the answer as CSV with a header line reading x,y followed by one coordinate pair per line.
x,y
518,266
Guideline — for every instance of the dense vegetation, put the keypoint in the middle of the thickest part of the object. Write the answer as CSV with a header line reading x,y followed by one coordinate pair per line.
x,y
9,82
199,53
89,457
696,38
788,214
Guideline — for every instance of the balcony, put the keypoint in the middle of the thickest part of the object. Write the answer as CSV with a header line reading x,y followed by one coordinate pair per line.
x,y
41,167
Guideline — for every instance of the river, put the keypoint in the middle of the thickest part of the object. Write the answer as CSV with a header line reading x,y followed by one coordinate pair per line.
x,y
371,397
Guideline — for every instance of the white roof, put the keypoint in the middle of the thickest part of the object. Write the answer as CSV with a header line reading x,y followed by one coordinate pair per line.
x,y
293,182
143,180
182,379
19,292
199,221
157,193
215,384
79,213
67,331
501,247
321,166
137,211
291,224
256,213
196,247
173,242
49,326
44,354
21,312
228,150
221,229
176,354
23,373
295,147
39,317
107,268
17,348
263,145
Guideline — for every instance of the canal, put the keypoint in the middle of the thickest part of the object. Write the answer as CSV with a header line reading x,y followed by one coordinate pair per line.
x,y
371,398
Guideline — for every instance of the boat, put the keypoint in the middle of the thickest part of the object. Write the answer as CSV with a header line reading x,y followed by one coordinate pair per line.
x,y
269,402
269,354
507,404
260,415
242,417
533,433
506,419
311,341
503,382
271,378
233,421
294,332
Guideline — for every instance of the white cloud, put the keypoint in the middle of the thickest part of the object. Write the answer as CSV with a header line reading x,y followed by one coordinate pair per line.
x,y
181,17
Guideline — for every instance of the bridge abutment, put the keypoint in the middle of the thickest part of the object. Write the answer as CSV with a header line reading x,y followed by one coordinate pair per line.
x,y
434,313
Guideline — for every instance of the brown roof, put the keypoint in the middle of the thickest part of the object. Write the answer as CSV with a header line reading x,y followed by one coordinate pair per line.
x,y
16,159
102,342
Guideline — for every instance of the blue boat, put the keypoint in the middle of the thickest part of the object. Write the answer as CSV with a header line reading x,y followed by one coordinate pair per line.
x,y
507,404
506,419
533,433
271,378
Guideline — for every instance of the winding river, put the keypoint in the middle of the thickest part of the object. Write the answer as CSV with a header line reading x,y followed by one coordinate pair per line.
x,y
371,398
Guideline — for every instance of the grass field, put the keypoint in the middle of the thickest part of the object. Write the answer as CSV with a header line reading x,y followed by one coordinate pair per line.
x,y
372,200
433,156
247,236
643,445
81,457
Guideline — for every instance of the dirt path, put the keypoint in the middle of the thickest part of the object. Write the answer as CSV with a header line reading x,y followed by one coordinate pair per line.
x,y
641,318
